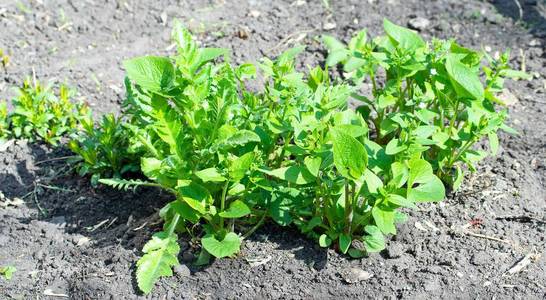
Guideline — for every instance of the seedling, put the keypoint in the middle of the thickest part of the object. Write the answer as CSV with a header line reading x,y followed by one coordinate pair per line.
x,y
40,115
104,151
7,272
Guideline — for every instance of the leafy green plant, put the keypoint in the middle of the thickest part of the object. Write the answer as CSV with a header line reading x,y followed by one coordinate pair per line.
x,y
432,102
7,272
294,151
40,115
104,151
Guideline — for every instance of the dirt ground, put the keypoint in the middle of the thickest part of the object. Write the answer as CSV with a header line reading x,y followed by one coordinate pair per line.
x,y
68,240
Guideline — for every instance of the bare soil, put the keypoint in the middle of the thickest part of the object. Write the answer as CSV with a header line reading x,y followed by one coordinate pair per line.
x,y
70,240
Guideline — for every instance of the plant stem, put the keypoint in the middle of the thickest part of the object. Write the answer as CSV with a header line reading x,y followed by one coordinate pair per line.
x,y
253,229
223,203
174,222
348,208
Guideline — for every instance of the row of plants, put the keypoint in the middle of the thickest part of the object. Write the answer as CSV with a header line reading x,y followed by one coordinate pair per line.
x,y
292,152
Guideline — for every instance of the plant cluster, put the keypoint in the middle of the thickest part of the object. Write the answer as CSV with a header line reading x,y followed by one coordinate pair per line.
x,y
295,152
40,115
7,272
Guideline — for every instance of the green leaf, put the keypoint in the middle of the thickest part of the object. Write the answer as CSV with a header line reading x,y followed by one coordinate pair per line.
x,y
240,166
420,171
210,175
160,256
243,137
400,174
294,174
374,241
350,156
430,191
384,219
493,142
466,82
313,164
228,246
237,209
7,272
401,201
394,147
344,242
324,241
403,37
183,209
373,182
152,73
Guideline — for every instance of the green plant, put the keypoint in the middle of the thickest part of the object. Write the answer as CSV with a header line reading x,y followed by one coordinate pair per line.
x,y
294,152
7,272
4,121
104,151
187,115
432,102
40,115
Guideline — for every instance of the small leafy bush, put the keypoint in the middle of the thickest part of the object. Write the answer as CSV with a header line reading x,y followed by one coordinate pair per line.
x,y
39,115
104,151
432,103
7,272
4,121
294,151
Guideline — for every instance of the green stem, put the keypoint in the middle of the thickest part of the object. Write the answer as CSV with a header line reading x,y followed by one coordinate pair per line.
x,y
174,222
258,225
348,208
223,203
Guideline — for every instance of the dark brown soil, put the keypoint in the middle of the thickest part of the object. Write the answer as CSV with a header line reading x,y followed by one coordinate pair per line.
x,y
83,242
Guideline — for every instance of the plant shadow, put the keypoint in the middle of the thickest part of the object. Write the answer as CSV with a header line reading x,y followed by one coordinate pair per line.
x,y
532,13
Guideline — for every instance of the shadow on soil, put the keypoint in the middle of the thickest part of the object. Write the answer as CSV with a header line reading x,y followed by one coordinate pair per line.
x,y
531,12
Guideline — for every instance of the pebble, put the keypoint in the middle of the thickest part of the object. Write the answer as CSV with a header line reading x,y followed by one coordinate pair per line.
x,y
329,26
480,258
182,271
355,275
419,23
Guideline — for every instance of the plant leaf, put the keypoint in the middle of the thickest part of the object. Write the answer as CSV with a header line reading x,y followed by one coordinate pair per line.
x,y
430,191
294,174
152,73
403,37
384,219
466,83
160,256
210,175
344,242
350,156
374,241
228,246
237,209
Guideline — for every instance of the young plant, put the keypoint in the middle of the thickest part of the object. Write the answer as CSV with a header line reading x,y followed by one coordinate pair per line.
x,y
104,151
7,272
432,102
187,115
40,115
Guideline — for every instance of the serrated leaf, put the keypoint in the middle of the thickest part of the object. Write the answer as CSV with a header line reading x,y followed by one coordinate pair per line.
x,y
228,246
237,209
160,256
152,73
122,184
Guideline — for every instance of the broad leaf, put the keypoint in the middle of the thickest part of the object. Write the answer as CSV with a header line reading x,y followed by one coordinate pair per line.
x,y
350,156
403,37
210,174
294,174
466,83
152,73
374,241
237,209
228,246
384,219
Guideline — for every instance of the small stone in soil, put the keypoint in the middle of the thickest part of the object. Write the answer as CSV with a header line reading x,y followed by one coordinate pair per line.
x,y
182,271
418,23
395,250
355,275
